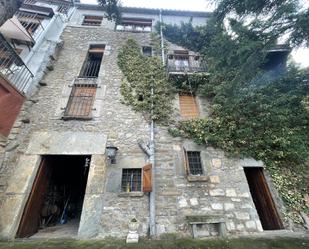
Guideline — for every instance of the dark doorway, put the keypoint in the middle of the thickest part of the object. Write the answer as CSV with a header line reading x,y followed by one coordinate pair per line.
x,y
262,199
57,194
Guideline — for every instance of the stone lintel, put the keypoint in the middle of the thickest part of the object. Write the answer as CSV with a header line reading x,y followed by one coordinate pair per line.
x,y
67,143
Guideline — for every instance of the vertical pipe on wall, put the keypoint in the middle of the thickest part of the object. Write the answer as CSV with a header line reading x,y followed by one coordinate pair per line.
x,y
162,39
152,196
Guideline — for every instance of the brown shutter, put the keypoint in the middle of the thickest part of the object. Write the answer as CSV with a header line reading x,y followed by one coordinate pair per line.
x,y
185,157
81,101
188,106
147,182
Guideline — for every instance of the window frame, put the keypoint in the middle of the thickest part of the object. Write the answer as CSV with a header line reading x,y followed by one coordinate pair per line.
x,y
94,50
201,168
139,181
70,112
92,20
143,25
183,109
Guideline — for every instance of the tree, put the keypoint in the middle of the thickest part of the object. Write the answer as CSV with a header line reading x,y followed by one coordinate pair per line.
x,y
273,17
112,8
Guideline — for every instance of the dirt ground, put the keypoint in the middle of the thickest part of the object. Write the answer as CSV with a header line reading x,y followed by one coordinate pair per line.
x,y
169,243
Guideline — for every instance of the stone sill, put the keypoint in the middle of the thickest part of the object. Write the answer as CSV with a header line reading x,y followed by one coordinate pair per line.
x,y
193,178
131,194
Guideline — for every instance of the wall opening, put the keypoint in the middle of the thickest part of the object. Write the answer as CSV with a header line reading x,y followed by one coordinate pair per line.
x,y
262,199
55,203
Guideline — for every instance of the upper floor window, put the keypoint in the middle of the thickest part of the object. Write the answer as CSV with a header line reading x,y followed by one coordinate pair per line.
x,y
93,61
80,102
92,20
194,162
188,106
135,25
147,51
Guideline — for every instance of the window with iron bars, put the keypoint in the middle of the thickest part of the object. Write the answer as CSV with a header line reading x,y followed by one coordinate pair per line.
x,y
92,20
194,162
93,61
80,102
131,180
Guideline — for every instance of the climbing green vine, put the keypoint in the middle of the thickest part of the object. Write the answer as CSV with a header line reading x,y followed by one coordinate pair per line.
x,y
141,74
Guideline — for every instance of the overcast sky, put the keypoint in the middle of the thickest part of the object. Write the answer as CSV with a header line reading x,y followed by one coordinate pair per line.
x,y
300,56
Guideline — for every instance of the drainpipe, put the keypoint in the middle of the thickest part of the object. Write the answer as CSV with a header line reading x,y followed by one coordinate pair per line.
x,y
162,39
152,196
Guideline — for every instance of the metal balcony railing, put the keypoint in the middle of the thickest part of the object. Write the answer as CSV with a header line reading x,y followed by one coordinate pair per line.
x,y
31,22
185,64
12,67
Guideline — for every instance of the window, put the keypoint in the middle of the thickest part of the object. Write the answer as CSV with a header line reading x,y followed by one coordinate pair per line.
x,y
188,106
80,102
194,162
131,180
135,25
63,9
92,20
93,61
147,51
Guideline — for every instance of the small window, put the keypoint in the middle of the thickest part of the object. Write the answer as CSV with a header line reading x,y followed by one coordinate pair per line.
x,y
80,102
147,51
92,20
131,180
194,162
188,106
92,64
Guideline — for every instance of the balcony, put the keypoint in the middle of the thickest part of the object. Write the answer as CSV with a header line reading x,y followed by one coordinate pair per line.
x,y
12,68
185,64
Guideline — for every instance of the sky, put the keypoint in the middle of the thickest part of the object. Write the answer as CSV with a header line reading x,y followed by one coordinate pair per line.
x,y
300,56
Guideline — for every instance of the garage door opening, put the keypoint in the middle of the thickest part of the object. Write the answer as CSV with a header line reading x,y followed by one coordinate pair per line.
x,y
55,203
262,199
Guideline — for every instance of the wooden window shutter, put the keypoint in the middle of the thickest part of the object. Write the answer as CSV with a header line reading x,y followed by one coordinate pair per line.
x,y
185,156
147,182
188,106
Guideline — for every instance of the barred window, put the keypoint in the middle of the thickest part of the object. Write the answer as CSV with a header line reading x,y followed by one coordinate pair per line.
x,y
194,162
80,102
92,20
131,180
93,61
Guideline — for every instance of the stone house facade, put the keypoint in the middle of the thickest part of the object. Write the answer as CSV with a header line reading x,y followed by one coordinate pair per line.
x,y
199,191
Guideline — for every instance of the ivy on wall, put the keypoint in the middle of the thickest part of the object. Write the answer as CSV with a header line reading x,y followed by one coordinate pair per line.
x,y
270,123
141,74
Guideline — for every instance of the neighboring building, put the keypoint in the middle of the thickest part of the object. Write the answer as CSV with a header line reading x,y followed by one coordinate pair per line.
x,y
27,40
7,9
61,156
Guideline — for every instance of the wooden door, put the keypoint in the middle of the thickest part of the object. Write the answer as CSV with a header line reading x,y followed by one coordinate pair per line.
x,y
262,199
30,220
